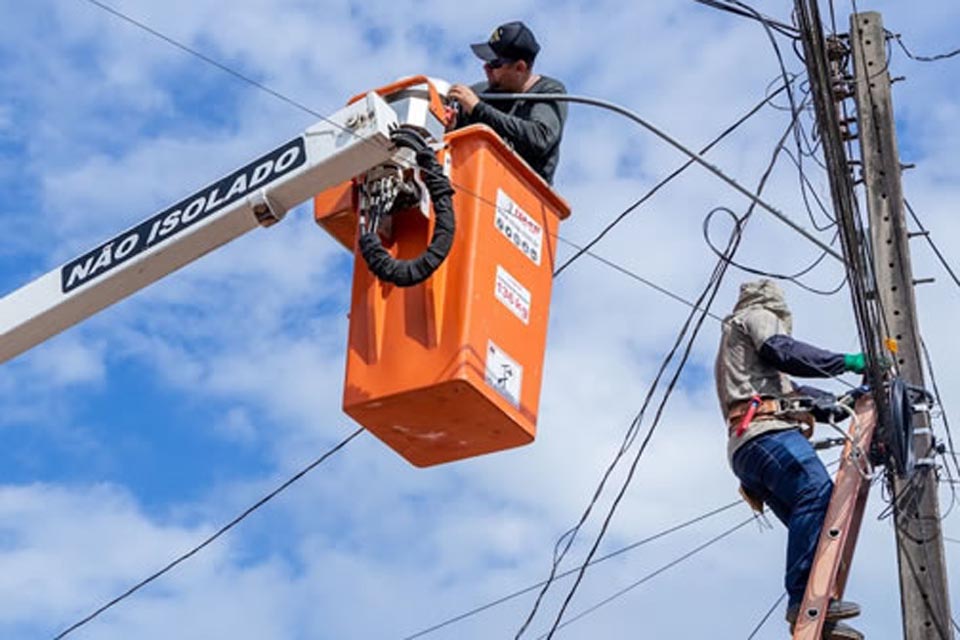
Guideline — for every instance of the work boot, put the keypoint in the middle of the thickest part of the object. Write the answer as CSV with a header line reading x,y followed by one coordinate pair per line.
x,y
837,610
840,631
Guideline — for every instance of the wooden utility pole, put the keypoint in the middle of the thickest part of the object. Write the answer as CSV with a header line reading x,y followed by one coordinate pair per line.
x,y
923,583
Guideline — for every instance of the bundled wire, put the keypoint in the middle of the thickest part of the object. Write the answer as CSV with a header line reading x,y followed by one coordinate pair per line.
x,y
685,340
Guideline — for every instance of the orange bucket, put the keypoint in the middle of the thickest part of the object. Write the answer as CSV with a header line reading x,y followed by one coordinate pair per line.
x,y
451,368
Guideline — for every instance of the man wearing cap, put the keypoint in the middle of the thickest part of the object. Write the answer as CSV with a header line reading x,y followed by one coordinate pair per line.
x,y
766,412
532,127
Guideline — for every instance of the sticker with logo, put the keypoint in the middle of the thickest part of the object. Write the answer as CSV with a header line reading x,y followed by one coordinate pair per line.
x,y
513,295
503,373
519,227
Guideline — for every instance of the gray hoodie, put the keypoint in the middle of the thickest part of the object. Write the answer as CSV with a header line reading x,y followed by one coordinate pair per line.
x,y
760,313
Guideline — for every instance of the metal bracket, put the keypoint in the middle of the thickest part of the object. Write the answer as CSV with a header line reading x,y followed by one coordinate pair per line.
x,y
267,211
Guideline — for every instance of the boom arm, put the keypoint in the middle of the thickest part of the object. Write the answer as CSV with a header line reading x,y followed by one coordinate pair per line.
x,y
349,143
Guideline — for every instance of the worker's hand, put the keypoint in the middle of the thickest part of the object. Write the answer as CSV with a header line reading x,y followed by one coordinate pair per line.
x,y
465,96
854,362
826,408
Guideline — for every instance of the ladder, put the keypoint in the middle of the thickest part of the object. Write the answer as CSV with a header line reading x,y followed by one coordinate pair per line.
x,y
838,538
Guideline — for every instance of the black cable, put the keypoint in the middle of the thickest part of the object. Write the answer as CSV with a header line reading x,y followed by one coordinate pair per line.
x,y
637,277
660,133
933,58
648,577
943,411
608,556
262,501
766,616
784,29
649,194
205,58
936,250
794,278
799,137
933,616
709,293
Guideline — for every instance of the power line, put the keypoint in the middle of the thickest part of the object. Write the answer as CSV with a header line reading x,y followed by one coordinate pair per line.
x,y
639,278
608,556
943,411
676,172
936,250
262,501
766,616
933,58
190,50
755,199
581,250
647,577
784,29
709,293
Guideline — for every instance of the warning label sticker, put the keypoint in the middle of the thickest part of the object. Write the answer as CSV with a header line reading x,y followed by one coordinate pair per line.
x,y
525,233
503,373
512,294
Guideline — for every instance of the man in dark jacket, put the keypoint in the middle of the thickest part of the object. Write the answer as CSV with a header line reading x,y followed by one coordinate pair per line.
x,y
775,463
532,127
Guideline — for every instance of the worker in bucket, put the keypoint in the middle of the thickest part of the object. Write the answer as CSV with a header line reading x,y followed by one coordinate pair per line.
x,y
532,127
767,415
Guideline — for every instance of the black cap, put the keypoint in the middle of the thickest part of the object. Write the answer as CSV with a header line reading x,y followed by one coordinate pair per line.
x,y
510,41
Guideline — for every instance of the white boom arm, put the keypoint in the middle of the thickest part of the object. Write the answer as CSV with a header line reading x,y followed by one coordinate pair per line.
x,y
349,143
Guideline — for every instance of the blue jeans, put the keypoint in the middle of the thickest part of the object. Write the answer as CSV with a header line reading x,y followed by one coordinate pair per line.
x,y
783,470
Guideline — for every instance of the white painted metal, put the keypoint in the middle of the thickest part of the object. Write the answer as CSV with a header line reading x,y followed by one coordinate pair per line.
x,y
349,143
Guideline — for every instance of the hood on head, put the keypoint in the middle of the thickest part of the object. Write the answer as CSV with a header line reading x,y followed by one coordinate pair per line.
x,y
765,294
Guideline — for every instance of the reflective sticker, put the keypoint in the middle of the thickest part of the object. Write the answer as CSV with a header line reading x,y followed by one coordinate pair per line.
x,y
525,233
503,373
512,294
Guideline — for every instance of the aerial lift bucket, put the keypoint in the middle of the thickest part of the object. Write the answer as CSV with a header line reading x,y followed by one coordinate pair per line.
x,y
451,368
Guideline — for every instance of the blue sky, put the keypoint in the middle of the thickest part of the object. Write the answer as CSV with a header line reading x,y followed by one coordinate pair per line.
x,y
128,439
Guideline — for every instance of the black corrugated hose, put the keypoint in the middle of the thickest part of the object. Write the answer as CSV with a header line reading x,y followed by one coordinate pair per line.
x,y
407,273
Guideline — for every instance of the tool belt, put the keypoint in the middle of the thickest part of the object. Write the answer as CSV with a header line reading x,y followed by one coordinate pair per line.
x,y
786,408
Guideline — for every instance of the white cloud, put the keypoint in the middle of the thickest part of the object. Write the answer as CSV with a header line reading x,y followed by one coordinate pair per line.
x,y
370,546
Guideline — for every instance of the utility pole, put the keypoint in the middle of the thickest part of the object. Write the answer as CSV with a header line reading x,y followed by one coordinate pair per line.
x,y
923,583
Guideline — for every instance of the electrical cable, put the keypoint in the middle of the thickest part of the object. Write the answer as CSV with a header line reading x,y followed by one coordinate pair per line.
x,y
637,277
785,29
242,77
598,560
934,617
709,293
766,616
567,539
936,249
693,155
943,412
141,25
800,138
794,278
646,578
247,79
259,503
933,58
205,58
676,172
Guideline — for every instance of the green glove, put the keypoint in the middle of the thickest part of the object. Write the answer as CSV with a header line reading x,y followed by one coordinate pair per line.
x,y
854,362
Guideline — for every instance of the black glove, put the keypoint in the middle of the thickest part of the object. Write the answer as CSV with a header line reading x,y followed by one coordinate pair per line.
x,y
826,409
